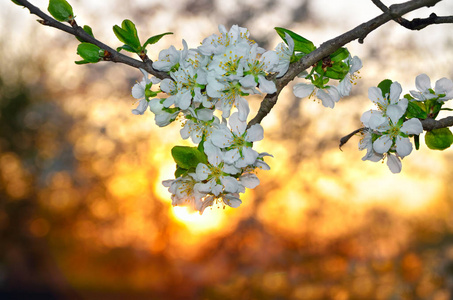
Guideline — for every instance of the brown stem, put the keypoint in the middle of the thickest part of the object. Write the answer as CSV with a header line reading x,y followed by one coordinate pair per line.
x,y
417,23
78,31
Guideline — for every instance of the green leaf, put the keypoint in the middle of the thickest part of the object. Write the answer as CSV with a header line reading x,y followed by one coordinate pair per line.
x,y
339,55
89,52
409,97
337,71
415,109
417,141
155,39
60,10
82,62
127,34
384,85
14,1
301,44
125,47
439,139
188,157
88,30
434,108
180,172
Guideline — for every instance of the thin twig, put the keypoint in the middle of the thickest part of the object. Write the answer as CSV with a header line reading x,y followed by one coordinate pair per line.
x,y
346,138
78,31
417,23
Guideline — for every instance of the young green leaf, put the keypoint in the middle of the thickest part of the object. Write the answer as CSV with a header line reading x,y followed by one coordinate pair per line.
x,y
301,44
384,85
127,34
125,47
89,52
439,139
417,141
82,62
415,109
155,39
188,157
339,55
60,10
337,71
14,1
434,108
180,172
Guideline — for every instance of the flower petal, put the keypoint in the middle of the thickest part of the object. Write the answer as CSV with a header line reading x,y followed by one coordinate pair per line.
x,y
422,82
138,91
202,171
266,86
248,81
395,112
222,137
395,92
444,86
249,155
403,146
243,108
141,108
237,125
303,90
412,126
394,163
375,95
249,180
231,156
231,184
382,144
255,133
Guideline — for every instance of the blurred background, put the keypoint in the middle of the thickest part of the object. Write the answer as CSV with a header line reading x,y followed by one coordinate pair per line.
x,y
83,214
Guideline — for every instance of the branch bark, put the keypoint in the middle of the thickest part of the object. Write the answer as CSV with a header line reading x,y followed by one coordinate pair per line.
x,y
417,23
330,46
78,31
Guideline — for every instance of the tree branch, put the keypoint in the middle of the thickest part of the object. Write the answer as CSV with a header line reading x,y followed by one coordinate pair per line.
x,y
431,124
417,23
329,47
78,31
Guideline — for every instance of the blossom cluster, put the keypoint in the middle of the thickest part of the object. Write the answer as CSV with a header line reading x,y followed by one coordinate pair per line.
x,y
387,130
206,84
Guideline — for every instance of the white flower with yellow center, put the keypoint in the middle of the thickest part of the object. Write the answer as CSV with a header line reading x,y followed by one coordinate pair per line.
x,y
170,58
345,86
284,52
328,96
200,122
238,141
216,173
443,90
257,67
185,191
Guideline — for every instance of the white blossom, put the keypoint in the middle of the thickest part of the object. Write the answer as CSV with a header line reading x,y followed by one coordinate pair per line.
x,y
328,96
284,52
443,89
345,85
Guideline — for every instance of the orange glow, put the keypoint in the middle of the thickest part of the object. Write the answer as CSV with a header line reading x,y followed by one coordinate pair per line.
x,y
212,219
